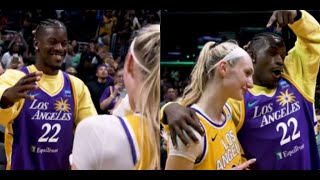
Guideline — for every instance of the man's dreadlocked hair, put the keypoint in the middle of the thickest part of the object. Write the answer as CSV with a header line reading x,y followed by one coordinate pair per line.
x,y
260,40
48,23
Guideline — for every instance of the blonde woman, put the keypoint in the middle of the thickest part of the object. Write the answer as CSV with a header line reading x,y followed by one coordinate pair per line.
x,y
223,71
131,141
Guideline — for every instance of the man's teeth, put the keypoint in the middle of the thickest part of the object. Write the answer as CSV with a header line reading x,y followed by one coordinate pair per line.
x,y
56,54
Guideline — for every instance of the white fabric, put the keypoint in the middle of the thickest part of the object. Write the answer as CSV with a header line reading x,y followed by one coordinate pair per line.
x,y
100,143
136,23
123,108
192,152
7,58
94,60
58,12
236,53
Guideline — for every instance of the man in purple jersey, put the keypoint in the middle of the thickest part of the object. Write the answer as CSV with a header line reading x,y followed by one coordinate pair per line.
x,y
275,121
40,105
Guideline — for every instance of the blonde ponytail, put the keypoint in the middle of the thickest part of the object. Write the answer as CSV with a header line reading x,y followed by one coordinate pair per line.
x,y
199,77
203,70
146,48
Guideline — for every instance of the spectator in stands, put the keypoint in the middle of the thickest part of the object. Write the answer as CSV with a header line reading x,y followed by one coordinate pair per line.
x,y
16,62
27,27
86,67
23,46
74,45
78,54
113,95
71,70
111,71
100,57
110,61
171,95
104,42
124,36
68,59
107,23
96,87
14,50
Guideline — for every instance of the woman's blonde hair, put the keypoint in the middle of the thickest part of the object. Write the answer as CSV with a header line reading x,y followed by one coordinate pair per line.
x,y
211,54
146,49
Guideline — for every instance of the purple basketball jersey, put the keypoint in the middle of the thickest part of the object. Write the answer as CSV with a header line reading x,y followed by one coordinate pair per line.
x,y
278,130
43,131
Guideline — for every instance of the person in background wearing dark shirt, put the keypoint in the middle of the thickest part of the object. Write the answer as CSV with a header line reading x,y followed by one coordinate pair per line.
x,y
96,87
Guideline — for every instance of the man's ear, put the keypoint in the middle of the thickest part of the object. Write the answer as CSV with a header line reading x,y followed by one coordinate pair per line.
x,y
35,44
252,55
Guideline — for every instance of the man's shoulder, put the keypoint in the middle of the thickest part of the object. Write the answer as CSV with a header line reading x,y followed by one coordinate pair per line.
x,y
75,80
11,74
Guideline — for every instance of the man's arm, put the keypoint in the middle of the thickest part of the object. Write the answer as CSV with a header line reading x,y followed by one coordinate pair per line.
x,y
84,106
184,156
302,62
177,119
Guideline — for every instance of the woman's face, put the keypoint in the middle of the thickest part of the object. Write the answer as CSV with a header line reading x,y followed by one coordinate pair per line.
x,y
239,78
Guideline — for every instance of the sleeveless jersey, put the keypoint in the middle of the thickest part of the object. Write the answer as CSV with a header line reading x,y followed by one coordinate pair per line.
x,y
43,131
276,130
139,148
221,147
